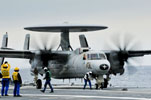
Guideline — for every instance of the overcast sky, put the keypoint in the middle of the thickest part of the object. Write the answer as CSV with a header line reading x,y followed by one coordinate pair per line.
x,y
129,17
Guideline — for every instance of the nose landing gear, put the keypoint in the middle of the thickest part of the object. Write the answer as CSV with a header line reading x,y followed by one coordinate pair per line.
x,y
101,82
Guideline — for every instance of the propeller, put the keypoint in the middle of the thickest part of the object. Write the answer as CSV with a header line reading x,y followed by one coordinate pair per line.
x,y
124,43
121,45
44,44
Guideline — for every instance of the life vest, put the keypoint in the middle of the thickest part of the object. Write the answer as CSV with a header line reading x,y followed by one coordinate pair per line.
x,y
50,74
15,76
5,73
87,76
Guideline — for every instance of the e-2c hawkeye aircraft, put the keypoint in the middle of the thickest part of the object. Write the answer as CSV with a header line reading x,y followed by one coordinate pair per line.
x,y
66,63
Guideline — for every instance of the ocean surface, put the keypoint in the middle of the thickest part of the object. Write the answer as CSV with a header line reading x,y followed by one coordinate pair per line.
x,y
136,76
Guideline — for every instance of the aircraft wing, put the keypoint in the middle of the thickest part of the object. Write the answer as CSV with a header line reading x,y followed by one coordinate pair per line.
x,y
26,54
32,54
139,53
129,53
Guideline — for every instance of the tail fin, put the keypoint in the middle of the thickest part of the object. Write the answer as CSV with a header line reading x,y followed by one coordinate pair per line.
x,y
27,42
83,41
5,41
4,45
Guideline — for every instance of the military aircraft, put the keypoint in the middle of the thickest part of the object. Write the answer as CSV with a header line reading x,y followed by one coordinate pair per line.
x,y
66,63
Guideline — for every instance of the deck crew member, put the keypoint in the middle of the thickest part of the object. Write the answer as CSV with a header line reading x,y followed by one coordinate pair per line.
x,y
5,78
87,78
48,79
17,82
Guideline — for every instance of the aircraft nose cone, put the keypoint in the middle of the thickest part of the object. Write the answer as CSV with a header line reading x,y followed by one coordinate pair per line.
x,y
104,67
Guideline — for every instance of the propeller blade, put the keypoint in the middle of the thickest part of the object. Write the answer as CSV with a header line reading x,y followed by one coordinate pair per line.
x,y
35,44
131,69
44,40
42,43
53,42
115,41
123,44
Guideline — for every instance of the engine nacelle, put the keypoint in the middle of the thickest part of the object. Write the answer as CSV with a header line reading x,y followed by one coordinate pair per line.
x,y
117,64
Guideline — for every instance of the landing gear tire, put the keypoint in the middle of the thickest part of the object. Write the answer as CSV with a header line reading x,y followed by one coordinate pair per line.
x,y
39,84
105,83
96,86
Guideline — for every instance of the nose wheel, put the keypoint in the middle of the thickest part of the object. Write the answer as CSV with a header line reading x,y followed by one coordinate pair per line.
x,y
39,84
102,85
101,82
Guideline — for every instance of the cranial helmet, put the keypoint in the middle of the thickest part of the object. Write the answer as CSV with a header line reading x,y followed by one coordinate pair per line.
x,y
16,69
5,66
45,69
90,72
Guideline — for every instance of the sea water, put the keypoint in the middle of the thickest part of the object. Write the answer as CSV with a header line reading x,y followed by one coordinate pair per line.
x,y
138,77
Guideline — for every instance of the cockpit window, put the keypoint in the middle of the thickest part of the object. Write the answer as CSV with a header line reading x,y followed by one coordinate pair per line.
x,y
102,56
96,56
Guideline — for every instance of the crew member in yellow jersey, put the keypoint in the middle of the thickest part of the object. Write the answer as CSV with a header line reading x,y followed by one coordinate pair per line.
x,y
17,82
5,78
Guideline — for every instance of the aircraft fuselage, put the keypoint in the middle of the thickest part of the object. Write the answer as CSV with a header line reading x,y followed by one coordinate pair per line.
x,y
79,63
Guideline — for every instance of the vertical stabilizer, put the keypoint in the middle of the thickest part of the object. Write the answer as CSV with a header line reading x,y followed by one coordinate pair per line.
x,y
5,41
4,45
83,41
27,42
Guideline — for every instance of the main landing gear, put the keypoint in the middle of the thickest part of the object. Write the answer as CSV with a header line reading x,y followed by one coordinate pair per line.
x,y
37,81
39,84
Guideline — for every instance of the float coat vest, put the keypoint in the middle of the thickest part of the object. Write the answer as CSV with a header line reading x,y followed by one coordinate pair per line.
x,y
15,76
5,73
